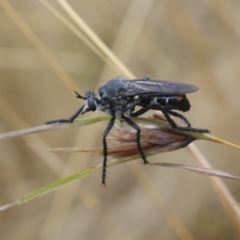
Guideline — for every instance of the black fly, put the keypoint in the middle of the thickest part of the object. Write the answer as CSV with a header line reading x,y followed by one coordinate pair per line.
x,y
118,97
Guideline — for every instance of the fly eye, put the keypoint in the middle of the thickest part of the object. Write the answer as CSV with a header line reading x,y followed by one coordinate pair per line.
x,y
92,104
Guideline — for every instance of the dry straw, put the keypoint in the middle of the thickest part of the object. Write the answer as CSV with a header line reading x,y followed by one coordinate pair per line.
x,y
90,38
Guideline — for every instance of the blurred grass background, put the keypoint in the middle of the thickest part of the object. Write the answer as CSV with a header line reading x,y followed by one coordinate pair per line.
x,y
189,41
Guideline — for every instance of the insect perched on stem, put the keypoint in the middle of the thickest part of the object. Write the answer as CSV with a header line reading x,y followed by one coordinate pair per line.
x,y
118,97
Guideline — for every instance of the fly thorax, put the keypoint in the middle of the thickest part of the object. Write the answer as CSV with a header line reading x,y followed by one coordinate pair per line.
x,y
117,103
113,102
103,105
130,106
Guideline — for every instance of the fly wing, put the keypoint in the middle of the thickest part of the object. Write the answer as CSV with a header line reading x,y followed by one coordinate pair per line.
x,y
158,88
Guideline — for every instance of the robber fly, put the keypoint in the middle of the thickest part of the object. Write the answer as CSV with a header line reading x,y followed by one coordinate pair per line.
x,y
118,97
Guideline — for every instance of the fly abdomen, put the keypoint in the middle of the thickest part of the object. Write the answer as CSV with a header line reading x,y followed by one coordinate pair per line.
x,y
183,103
177,102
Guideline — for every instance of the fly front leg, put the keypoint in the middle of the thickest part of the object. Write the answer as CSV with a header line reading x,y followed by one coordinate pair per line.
x,y
67,120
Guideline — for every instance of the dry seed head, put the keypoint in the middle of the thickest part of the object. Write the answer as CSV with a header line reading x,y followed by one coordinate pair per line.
x,y
156,137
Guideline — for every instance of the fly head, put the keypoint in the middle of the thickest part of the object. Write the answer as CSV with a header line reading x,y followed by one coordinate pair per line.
x,y
90,102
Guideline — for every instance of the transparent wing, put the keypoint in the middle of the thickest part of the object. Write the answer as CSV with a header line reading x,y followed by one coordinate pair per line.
x,y
158,87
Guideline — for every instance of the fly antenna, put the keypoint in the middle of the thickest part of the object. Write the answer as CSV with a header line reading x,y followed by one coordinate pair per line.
x,y
79,96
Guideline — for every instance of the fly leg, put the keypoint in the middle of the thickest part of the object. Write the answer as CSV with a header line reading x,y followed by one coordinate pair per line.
x,y
180,116
104,168
67,120
156,104
175,126
143,109
166,114
138,136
